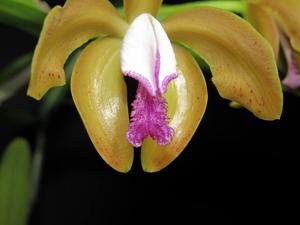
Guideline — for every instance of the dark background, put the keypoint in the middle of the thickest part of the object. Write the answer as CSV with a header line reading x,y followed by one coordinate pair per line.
x,y
237,169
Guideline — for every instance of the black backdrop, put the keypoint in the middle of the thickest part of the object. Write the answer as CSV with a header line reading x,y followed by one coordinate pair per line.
x,y
237,169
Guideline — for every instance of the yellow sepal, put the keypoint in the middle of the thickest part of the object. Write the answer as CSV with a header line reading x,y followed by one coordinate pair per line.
x,y
65,29
100,95
265,24
287,16
242,62
133,8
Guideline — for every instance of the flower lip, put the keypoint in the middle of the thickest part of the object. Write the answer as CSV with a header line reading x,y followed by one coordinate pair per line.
x,y
149,117
148,56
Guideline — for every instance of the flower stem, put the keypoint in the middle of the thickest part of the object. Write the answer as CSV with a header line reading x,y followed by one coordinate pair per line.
x,y
230,5
37,163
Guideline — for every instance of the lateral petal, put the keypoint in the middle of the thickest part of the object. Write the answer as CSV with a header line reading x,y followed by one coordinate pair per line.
x,y
65,29
265,24
167,68
242,62
100,95
187,98
288,17
134,8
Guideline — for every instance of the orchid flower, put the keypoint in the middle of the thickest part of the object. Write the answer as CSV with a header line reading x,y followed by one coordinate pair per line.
x,y
279,22
171,96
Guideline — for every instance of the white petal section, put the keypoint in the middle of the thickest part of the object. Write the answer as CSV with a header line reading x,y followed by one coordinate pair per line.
x,y
147,54
167,71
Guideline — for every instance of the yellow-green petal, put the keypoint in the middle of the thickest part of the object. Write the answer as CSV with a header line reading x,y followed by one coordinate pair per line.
x,y
186,98
100,95
133,8
65,29
265,24
288,17
242,62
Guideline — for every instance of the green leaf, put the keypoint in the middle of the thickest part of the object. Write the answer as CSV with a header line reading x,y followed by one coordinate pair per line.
x,y
14,76
230,5
9,88
23,14
14,67
38,4
15,183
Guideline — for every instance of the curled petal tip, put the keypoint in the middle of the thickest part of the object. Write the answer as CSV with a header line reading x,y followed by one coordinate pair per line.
x,y
167,80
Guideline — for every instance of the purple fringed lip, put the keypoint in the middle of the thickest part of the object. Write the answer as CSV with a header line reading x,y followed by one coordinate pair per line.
x,y
147,55
149,118
167,80
149,112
